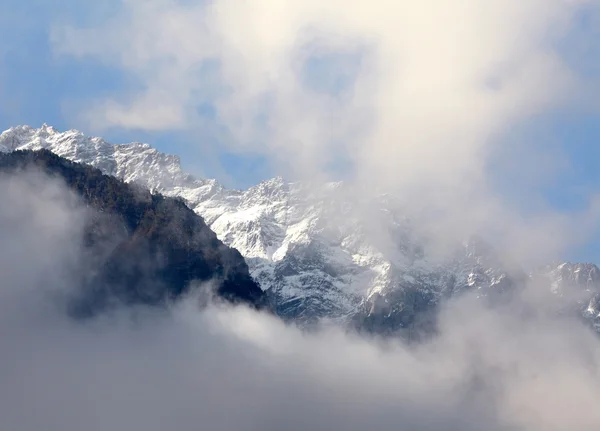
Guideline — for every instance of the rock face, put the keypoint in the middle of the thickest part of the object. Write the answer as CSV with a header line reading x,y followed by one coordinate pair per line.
x,y
140,247
319,251
576,287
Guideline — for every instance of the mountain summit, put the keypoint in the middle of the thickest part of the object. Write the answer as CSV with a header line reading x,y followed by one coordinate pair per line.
x,y
137,247
320,252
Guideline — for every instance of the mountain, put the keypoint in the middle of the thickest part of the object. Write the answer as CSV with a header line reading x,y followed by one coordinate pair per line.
x,y
320,251
139,247
576,286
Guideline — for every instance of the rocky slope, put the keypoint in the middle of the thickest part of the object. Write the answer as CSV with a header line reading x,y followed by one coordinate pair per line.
x,y
576,287
319,251
138,247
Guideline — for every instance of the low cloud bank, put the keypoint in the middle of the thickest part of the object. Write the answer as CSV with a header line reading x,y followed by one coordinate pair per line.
x,y
224,368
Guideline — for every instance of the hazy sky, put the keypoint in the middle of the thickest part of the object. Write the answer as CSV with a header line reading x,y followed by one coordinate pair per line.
x,y
439,97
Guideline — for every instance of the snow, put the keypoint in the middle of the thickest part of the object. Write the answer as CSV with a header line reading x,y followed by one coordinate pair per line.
x,y
325,247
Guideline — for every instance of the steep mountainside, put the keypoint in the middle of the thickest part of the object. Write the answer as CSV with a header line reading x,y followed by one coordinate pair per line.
x,y
140,247
319,251
575,285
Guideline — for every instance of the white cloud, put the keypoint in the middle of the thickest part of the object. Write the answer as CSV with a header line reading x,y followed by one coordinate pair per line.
x,y
437,81
432,87
233,369
520,368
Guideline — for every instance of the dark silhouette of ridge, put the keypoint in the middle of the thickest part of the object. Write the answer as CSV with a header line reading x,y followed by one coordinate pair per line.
x,y
143,248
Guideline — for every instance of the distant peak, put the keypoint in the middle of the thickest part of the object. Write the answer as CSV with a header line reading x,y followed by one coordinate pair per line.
x,y
278,180
49,130
27,130
135,161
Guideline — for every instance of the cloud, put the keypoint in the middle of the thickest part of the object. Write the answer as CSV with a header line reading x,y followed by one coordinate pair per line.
x,y
431,83
414,97
519,368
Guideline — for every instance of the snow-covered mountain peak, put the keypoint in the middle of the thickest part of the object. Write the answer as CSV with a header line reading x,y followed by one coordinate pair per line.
x,y
133,162
318,249
566,277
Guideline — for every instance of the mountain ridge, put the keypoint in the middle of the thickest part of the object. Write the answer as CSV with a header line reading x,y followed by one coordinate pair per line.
x,y
320,252
139,247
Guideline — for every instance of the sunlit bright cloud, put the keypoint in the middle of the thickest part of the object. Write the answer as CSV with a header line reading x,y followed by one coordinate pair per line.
x,y
423,88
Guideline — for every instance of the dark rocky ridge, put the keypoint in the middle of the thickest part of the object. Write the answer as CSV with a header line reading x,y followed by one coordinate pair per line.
x,y
143,243
140,248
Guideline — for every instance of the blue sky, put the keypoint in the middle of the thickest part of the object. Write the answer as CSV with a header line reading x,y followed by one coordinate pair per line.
x,y
38,86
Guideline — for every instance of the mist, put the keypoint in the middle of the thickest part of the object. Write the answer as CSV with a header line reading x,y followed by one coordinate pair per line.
x,y
418,99
411,98
517,367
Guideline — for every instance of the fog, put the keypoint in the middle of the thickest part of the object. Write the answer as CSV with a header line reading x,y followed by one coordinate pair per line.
x,y
517,367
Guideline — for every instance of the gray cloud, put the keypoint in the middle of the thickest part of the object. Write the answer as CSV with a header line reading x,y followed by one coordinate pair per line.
x,y
514,368
433,87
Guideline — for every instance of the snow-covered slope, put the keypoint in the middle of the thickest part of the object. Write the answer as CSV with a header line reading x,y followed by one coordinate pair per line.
x,y
319,250
576,286
286,231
